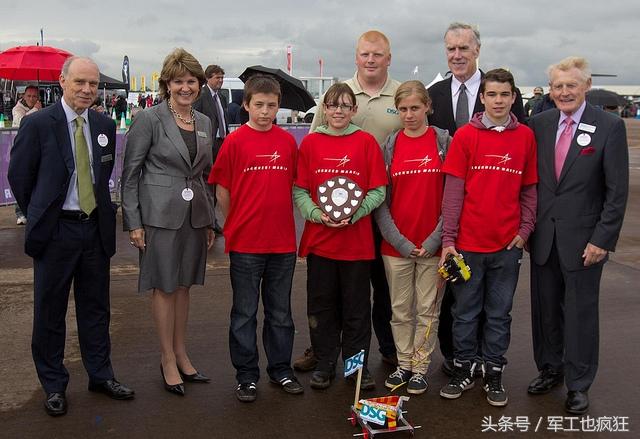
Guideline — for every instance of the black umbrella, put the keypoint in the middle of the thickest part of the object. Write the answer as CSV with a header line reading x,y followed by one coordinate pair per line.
x,y
605,98
294,95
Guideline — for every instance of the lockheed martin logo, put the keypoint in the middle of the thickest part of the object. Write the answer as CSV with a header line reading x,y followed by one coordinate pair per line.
x,y
341,161
503,158
423,162
273,157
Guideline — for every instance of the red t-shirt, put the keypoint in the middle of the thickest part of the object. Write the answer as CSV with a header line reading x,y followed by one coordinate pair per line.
x,y
494,165
258,168
417,185
356,156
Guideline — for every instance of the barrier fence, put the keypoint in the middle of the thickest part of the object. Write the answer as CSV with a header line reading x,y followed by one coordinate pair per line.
x,y
7,135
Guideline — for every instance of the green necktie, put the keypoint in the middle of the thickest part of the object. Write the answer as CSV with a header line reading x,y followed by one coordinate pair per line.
x,y
85,187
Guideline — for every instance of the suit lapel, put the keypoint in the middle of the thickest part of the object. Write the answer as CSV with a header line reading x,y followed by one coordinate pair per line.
x,y
95,147
62,135
547,147
449,104
201,142
588,117
173,133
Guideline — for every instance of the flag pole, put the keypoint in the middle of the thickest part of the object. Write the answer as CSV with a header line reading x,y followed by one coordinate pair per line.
x,y
357,396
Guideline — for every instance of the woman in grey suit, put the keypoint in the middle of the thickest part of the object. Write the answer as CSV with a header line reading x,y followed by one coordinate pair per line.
x,y
167,207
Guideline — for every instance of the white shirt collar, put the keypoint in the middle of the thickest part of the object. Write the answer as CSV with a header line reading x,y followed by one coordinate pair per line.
x,y
472,84
72,115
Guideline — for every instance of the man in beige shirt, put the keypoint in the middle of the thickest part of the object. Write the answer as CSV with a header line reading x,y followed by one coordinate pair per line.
x,y
374,90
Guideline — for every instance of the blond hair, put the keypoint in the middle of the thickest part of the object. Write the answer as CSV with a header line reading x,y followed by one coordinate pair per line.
x,y
413,87
571,62
373,36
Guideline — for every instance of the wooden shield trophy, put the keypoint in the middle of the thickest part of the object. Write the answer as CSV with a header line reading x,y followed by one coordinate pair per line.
x,y
339,197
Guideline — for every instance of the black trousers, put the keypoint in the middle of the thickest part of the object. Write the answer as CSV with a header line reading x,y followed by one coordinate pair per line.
x,y
381,310
74,255
338,308
565,320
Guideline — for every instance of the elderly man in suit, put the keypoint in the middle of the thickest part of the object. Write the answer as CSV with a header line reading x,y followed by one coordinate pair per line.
x,y
214,104
59,171
455,101
583,166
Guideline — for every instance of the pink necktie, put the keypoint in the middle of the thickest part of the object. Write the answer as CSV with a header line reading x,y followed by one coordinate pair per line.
x,y
562,147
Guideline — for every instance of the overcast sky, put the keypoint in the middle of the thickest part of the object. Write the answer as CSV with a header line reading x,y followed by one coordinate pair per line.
x,y
524,36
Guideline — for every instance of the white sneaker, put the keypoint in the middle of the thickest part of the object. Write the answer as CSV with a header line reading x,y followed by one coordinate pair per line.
x,y
21,220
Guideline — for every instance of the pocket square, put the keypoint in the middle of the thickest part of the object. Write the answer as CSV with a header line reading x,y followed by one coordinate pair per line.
x,y
587,151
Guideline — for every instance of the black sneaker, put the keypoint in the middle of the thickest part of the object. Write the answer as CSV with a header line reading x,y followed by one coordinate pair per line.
x,y
289,385
417,384
397,378
366,382
496,395
321,379
461,380
246,392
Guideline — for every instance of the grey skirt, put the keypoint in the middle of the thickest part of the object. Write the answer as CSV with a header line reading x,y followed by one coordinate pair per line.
x,y
173,258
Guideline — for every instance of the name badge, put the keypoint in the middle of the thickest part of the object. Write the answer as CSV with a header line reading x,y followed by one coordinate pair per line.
x,y
586,127
106,158
103,140
187,194
584,139
201,134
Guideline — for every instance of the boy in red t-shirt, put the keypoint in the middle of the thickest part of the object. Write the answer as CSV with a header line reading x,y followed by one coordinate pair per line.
x,y
254,175
488,213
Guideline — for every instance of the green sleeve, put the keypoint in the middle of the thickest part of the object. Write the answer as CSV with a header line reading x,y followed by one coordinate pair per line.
x,y
373,199
308,209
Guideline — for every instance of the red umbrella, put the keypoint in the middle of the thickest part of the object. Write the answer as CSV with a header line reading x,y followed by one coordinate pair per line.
x,y
32,63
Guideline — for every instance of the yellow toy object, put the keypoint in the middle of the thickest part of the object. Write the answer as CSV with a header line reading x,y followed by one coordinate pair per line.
x,y
385,412
455,269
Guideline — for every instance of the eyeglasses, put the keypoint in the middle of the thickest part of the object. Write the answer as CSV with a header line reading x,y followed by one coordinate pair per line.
x,y
343,107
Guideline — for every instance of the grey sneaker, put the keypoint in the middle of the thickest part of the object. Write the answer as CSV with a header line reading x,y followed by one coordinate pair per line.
x,y
397,378
246,392
496,395
417,384
461,380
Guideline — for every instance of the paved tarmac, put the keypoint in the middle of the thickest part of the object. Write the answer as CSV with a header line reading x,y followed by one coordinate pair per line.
x,y
212,411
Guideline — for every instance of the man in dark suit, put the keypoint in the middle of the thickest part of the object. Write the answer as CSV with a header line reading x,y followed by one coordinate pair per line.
x,y
583,167
455,100
59,172
214,104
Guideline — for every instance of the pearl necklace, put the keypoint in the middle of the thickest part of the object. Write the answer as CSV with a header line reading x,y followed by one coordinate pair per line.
x,y
175,113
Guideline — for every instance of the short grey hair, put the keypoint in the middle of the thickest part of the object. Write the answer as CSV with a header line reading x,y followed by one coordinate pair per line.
x,y
569,63
71,59
457,26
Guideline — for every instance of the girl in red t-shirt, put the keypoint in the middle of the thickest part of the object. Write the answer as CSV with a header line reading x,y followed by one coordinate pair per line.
x,y
338,253
410,224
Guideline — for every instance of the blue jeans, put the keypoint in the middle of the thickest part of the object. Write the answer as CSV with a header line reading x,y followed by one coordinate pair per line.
x,y
491,288
270,274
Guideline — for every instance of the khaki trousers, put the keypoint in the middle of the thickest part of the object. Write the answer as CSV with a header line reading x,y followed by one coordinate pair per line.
x,y
415,307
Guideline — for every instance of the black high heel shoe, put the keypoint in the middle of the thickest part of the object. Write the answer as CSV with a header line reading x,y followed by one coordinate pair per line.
x,y
177,389
194,377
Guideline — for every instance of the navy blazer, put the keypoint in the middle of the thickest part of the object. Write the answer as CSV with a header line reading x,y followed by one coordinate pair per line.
x,y
40,172
442,105
587,204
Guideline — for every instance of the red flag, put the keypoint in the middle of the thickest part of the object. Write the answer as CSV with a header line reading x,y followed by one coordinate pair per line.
x,y
289,59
